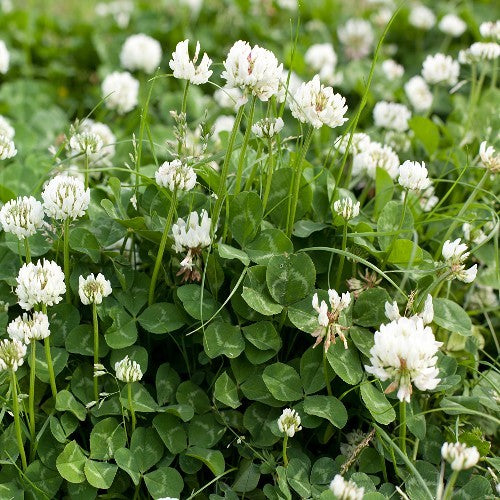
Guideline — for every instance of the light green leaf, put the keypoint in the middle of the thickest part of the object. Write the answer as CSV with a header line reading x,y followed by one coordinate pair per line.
x,y
161,317
230,253
450,316
71,462
65,401
100,474
260,302
378,405
213,459
164,481
223,338
106,437
226,392
245,215
269,243
345,362
327,407
171,432
283,382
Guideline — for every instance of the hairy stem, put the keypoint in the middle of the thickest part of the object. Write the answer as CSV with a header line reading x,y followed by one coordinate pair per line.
x,y
17,419
131,406
96,348
246,139
66,260
285,443
402,426
48,357
31,399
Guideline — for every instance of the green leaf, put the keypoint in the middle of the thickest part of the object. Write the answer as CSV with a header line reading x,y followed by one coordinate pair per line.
x,y
106,437
213,459
191,394
269,243
123,332
141,399
345,362
303,316
190,296
83,241
223,338
230,253
297,475
283,382
450,316
247,477
164,481
384,189
126,460
59,361
245,215
71,462
263,336
171,432
327,407
378,405
260,302
369,308
146,448
100,474
389,222
167,381
205,431
226,392
311,370
290,277
41,478
404,252
426,131
65,401
80,340
161,317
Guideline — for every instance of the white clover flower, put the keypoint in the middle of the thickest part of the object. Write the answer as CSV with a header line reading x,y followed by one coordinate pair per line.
x,y
6,128
405,352
391,115
65,197
317,105
268,127
176,175
414,175
93,289
452,25
346,490
418,93
328,319
427,199
490,29
25,328
321,58
120,91
12,354
255,70
422,17
376,155
85,143
193,233
426,315
475,235
460,456
4,58
128,370
230,98
223,123
455,254
440,68
184,67
357,37
381,17
289,422
141,52
346,208
7,148
40,283
489,158
482,51
360,141
108,140
121,10
294,83
392,70
22,216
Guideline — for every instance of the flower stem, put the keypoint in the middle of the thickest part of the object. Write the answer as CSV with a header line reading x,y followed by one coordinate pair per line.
x,y
246,139
325,374
161,249
27,250
66,260
131,406
96,348
183,112
342,257
48,357
17,420
285,458
31,399
269,176
448,492
402,426
86,171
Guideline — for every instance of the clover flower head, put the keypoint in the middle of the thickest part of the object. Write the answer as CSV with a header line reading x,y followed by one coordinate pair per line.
x,y
357,37
289,422
321,57
22,216
230,98
422,17
7,148
455,254
440,68
490,29
460,456
86,143
4,58
12,353
185,68
391,116
373,156
414,175
346,490
65,197
6,128
452,25
346,208
176,175
27,328
489,157
360,141
141,52
392,70
418,93
128,370
93,289
120,91
268,127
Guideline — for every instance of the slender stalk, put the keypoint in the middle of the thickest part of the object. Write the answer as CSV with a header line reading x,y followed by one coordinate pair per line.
x,y
86,171
448,492
31,399
96,348
161,249
66,260
183,111
269,174
131,406
405,205
27,250
285,443
325,374
48,357
246,139
402,426
342,257
17,420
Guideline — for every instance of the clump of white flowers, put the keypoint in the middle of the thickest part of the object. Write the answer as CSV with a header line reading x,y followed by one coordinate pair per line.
x,y
460,456
440,68
317,105
268,127
6,129
392,70
346,490
141,52
85,143
376,155
27,328
479,51
12,354
65,197
418,93
93,289
452,25
328,319
120,91
405,353
252,69
7,148
426,315
391,115
289,422
40,283
176,175
186,69
128,370
422,17
357,37
455,254
108,140
321,57
4,58
414,175
346,208
22,216
490,29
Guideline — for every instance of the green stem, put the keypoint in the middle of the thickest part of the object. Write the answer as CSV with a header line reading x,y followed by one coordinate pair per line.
x,y
285,458
325,373
131,406
17,420
27,250
246,139
48,357
96,348
402,426
86,171
66,260
448,492
269,175
342,257
31,399
183,112
161,249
